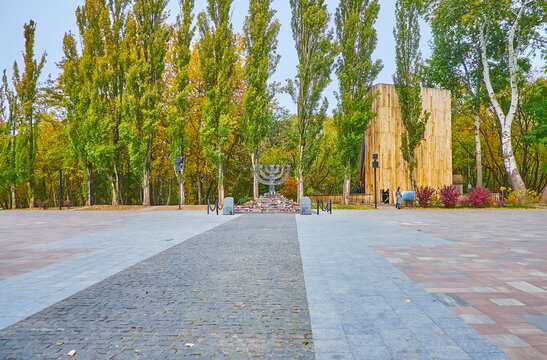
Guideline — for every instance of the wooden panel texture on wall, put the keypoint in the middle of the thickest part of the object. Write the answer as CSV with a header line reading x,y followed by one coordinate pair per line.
x,y
383,137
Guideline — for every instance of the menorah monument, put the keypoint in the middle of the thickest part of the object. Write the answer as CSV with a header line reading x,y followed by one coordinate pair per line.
x,y
272,175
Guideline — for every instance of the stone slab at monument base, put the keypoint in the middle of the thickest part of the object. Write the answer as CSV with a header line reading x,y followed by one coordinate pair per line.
x,y
228,206
305,206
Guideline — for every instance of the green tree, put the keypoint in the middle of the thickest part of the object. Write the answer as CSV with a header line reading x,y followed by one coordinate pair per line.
x,y
179,88
316,54
9,167
115,62
148,38
27,89
536,107
4,142
356,72
75,102
456,64
217,58
407,79
84,85
261,32
519,25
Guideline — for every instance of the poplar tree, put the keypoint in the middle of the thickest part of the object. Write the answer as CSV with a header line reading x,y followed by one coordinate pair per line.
x,y
261,32
115,65
356,72
84,86
11,117
179,92
5,139
217,59
407,80
316,52
148,38
27,89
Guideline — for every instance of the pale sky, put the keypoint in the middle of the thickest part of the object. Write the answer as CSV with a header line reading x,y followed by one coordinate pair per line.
x,y
55,17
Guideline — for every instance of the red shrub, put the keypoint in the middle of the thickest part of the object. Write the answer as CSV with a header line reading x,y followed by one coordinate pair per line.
x,y
424,194
464,200
449,195
479,196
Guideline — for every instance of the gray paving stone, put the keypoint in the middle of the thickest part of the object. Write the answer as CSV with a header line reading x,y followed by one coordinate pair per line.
x,y
450,299
373,352
507,340
235,290
477,319
538,320
400,313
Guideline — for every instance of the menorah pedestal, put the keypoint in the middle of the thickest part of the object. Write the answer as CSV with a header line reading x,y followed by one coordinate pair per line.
x,y
275,203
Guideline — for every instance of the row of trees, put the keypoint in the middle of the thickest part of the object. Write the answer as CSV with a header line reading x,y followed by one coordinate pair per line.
x,y
135,92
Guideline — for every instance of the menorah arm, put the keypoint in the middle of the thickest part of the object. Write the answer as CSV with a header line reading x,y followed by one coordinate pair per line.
x,y
263,176
279,182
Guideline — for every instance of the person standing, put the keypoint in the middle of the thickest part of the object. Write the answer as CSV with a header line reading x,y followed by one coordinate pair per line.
x,y
399,197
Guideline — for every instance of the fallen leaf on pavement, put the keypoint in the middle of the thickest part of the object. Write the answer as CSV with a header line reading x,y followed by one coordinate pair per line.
x,y
71,352
189,345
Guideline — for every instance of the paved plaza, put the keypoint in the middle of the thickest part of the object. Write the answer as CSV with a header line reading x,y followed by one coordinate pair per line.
x,y
376,284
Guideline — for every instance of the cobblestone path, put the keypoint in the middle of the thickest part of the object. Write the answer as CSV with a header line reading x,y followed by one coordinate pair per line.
x,y
236,291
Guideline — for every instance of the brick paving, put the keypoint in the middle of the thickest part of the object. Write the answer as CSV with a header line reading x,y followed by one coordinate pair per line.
x,y
234,291
493,274
21,230
409,284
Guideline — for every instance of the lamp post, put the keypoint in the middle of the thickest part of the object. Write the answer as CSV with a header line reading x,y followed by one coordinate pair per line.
x,y
375,165
178,168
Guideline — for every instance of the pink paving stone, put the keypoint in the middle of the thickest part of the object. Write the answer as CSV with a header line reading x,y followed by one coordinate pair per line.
x,y
504,261
20,233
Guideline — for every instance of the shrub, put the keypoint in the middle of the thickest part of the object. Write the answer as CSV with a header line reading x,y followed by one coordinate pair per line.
x,y
479,196
424,195
449,195
518,197
288,189
463,200
501,202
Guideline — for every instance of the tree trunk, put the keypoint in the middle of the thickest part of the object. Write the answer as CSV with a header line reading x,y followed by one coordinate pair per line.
x,y
300,182
300,186
478,151
181,185
505,120
89,184
509,159
146,185
199,186
412,175
13,197
32,201
220,184
115,187
543,199
347,186
254,161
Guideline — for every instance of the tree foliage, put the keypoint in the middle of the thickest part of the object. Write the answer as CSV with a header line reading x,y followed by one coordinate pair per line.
x,y
407,79
260,43
315,51
217,58
356,72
